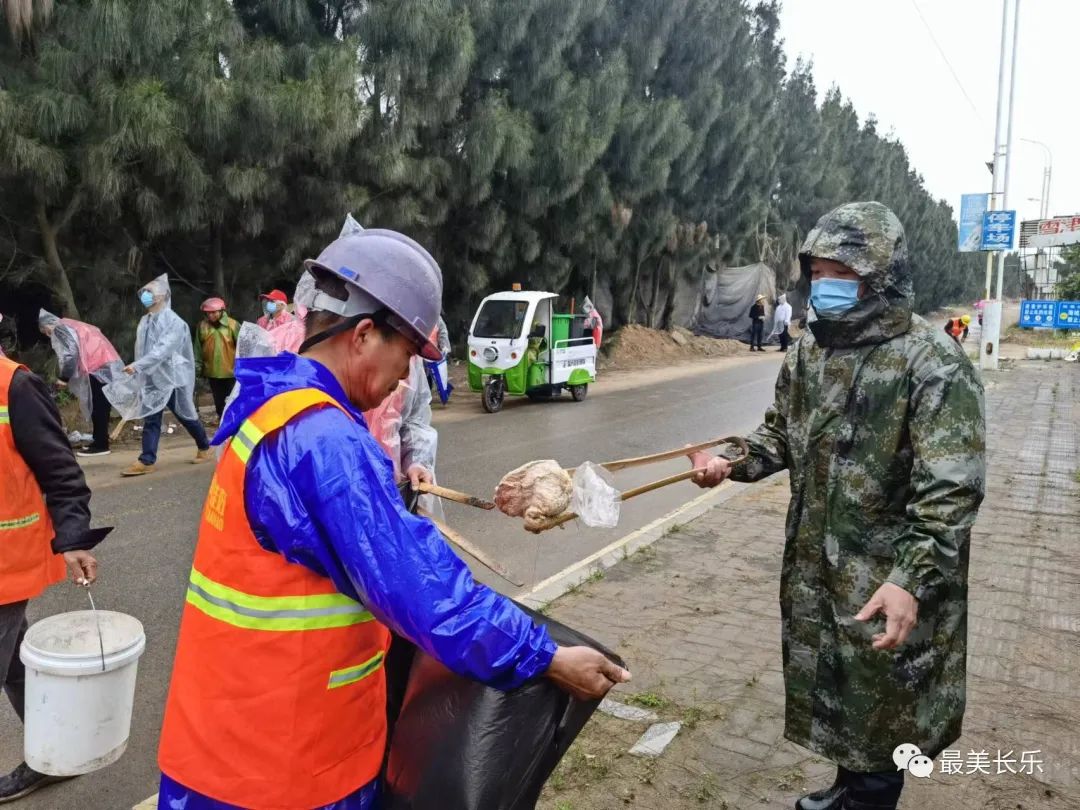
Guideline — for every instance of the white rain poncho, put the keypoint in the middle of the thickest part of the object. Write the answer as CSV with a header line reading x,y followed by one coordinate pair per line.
x,y
164,364
81,351
781,317
444,338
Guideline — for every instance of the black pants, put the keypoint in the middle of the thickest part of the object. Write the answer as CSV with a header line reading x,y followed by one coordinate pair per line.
x,y
757,328
12,672
220,388
100,408
785,339
878,789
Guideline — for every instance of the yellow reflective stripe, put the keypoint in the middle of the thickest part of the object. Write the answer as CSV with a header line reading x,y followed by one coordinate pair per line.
x,y
245,440
20,523
310,612
343,677
5,419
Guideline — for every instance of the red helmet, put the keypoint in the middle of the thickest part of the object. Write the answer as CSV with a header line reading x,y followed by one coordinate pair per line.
x,y
213,305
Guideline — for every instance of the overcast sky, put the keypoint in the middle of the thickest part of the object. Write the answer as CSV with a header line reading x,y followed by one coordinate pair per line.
x,y
884,59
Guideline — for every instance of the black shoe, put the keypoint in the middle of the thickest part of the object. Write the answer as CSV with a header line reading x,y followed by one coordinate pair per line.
x,y
91,451
23,781
829,799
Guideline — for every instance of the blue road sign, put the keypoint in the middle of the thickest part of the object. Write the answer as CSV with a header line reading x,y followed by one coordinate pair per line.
x,y
1037,313
998,230
1068,315
972,208
1050,314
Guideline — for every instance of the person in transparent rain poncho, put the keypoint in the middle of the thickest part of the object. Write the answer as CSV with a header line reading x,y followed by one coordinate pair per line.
x,y
161,376
87,363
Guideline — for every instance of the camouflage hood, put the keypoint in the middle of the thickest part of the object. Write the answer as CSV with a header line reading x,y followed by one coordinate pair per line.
x,y
868,238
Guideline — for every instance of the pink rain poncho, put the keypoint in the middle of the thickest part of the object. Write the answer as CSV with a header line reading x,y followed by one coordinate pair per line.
x,y
81,351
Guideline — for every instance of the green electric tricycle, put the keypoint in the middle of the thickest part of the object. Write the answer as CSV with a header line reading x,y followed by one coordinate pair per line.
x,y
519,345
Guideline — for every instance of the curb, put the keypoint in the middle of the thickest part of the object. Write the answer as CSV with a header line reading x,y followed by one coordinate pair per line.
x,y
553,587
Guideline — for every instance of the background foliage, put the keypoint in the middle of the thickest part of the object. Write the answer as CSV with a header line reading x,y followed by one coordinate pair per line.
x,y
580,146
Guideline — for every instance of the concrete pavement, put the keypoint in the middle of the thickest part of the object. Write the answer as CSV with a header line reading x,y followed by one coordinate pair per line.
x,y
697,619
145,562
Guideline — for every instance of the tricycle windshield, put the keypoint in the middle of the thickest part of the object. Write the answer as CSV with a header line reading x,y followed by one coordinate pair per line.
x,y
500,319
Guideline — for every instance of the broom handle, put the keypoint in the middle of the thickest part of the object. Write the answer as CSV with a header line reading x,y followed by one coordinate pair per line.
x,y
117,429
470,549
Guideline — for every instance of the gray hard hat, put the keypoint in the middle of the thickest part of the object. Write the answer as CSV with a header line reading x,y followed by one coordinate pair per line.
x,y
385,270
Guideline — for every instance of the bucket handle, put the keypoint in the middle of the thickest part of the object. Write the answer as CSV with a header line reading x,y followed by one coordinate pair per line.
x,y
101,640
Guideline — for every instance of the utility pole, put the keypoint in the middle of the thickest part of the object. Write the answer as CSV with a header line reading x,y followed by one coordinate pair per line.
x,y
991,331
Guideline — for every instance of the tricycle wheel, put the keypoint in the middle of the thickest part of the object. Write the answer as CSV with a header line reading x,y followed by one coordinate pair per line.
x,y
578,392
494,391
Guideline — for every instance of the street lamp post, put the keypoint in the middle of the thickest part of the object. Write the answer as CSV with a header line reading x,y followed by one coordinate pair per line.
x,y
1048,170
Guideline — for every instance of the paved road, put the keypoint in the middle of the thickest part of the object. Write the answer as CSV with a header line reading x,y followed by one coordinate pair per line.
x,y
146,560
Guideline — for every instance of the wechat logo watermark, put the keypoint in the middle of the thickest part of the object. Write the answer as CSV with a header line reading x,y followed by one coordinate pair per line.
x,y
909,758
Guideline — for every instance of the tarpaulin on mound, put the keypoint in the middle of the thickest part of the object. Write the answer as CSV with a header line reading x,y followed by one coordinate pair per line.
x,y
727,293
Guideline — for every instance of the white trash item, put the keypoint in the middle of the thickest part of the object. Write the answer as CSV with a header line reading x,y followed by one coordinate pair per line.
x,y
78,717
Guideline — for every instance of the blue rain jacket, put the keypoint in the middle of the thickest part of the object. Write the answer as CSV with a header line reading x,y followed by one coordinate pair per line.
x,y
321,492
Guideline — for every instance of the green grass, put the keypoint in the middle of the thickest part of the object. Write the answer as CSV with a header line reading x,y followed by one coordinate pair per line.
x,y
648,700
1042,338
707,790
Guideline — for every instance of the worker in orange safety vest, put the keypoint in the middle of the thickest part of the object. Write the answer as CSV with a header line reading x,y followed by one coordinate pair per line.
x,y
307,559
44,529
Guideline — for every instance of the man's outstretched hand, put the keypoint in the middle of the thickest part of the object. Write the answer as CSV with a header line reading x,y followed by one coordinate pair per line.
x,y
585,673
715,470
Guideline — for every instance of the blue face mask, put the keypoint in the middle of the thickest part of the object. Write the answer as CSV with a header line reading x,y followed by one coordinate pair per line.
x,y
270,307
834,296
146,298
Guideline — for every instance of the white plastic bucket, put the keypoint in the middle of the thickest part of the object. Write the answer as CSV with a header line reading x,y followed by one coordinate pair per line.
x,y
78,716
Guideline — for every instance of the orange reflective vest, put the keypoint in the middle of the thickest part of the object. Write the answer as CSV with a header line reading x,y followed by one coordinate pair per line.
x,y
27,563
278,696
956,327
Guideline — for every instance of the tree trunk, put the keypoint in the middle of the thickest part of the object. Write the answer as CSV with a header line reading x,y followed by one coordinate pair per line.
x,y
216,261
654,299
669,302
632,306
56,275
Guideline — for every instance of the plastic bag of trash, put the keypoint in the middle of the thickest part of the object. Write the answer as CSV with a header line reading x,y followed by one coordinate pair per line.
x,y
596,502
456,743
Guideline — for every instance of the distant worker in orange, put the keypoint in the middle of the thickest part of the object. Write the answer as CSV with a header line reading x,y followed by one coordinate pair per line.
x,y
957,328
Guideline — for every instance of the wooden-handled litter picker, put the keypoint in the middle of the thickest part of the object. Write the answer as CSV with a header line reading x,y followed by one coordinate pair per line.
x,y
640,461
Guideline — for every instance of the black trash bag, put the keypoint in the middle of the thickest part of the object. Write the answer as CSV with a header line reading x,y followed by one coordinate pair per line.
x,y
456,744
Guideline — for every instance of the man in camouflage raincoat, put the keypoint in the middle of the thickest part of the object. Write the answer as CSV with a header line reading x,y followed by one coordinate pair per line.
x,y
879,417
